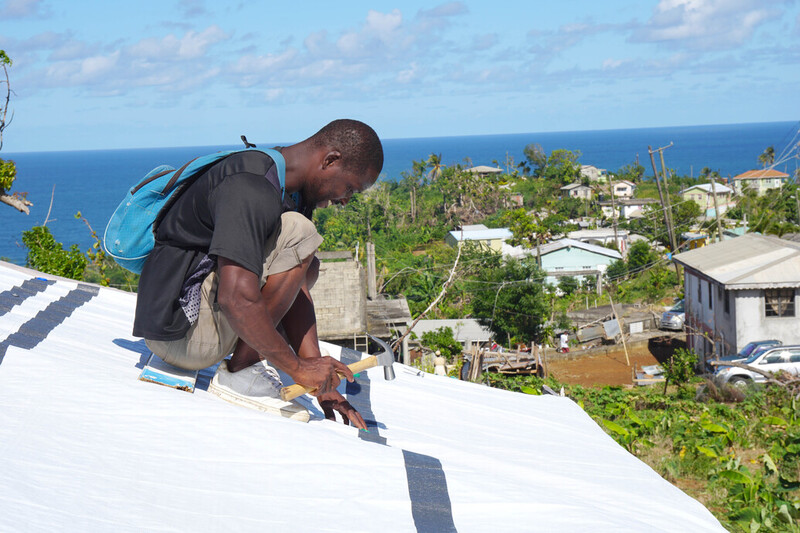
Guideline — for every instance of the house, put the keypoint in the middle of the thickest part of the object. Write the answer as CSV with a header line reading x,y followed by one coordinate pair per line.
x,y
577,190
623,189
741,290
595,175
759,180
483,170
602,237
490,239
569,257
626,207
703,195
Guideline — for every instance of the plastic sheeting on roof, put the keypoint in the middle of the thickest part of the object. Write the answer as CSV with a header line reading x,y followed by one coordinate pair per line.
x,y
86,446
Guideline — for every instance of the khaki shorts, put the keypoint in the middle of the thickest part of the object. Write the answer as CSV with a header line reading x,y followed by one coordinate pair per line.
x,y
211,338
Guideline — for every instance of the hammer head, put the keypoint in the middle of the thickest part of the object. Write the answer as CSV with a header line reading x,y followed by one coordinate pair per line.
x,y
385,358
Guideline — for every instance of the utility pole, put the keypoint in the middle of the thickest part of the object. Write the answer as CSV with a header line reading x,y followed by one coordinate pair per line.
x,y
664,202
716,208
614,210
666,195
667,218
372,290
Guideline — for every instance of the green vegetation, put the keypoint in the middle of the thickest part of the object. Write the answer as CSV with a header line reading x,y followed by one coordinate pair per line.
x,y
737,453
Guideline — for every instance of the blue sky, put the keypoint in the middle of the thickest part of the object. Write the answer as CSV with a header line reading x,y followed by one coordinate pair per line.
x,y
92,75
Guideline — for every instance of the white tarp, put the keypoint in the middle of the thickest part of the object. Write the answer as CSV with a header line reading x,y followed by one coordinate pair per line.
x,y
86,446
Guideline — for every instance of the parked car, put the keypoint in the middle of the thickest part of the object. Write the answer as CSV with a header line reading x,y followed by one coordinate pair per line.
x,y
751,348
674,318
786,358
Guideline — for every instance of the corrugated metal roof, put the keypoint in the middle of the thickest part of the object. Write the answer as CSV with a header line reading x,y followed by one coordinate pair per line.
x,y
566,243
706,187
481,235
748,262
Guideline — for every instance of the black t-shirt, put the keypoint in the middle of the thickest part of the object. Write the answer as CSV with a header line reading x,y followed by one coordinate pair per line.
x,y
230,211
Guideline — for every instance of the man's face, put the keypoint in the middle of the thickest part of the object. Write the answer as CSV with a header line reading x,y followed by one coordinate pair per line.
x,y
335,184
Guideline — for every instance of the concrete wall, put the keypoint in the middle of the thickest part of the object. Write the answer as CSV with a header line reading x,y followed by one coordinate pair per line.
x,y
340,300
752,324
711,329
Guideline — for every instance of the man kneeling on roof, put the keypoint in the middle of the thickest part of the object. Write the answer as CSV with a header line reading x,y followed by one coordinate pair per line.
x,y
233,265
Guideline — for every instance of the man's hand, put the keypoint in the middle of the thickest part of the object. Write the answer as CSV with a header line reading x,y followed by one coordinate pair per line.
x,y
333,401
323,375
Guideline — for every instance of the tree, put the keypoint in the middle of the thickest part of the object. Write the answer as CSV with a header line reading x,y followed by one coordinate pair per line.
x,y
8,170
435,165
442,339
563,167
518,306
537,158
767,157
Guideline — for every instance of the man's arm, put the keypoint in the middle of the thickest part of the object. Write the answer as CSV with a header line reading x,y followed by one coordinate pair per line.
x,y
249,314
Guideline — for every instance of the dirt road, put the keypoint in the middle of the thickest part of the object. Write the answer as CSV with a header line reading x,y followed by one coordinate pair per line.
x,y
611,368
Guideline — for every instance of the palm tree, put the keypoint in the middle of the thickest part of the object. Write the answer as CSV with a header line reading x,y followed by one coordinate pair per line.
x,y
435,164
768,157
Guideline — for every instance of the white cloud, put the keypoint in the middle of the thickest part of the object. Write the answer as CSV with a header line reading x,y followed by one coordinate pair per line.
x,y
21,9
191,46
705,24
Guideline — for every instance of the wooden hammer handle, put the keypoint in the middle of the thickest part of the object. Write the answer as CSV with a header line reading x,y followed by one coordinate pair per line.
x,y
293,391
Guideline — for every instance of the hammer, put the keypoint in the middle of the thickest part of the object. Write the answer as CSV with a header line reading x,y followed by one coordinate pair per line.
x,y
384,359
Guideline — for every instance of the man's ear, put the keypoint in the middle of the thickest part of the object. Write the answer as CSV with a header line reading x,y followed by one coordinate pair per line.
x,y
331,158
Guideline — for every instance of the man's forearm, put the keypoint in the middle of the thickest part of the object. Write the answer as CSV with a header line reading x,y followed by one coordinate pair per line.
x,y
300,325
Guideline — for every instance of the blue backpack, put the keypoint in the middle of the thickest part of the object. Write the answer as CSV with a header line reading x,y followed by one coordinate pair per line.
x,y
130,233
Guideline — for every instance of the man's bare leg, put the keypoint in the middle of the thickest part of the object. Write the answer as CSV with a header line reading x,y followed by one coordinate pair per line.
x,y
280,292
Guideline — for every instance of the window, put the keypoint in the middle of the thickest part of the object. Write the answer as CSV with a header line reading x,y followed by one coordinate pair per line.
x,y
699,291
727,301
709,295
779,302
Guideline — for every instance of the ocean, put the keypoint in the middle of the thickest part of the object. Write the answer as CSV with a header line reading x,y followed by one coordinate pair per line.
x,y
95,181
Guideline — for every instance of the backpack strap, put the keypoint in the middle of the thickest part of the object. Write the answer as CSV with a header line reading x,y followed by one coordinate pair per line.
x,y
280,163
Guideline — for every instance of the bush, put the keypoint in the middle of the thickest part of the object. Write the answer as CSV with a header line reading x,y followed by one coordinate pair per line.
x,y
49,256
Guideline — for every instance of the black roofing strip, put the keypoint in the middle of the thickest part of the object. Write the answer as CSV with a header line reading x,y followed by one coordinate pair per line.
x,y
427,484
35,330
359,398
19,293
427,488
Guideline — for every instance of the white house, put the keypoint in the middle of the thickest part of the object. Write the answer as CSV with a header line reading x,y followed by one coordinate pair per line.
x,y
626,207
602,237
741,290
623,189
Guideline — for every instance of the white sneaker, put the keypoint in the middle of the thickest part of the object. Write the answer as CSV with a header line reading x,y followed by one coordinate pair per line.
x,y
258,387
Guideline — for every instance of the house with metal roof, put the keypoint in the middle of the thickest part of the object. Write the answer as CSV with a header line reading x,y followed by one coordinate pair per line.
x,y
488,238
602,237
759,181
569,257
623,189
577,190
703,195
483,170
741,290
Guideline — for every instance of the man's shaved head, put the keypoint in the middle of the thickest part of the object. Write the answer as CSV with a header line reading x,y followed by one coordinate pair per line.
x,y
358,143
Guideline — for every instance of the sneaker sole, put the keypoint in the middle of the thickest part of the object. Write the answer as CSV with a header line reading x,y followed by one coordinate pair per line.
x,y
287,410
